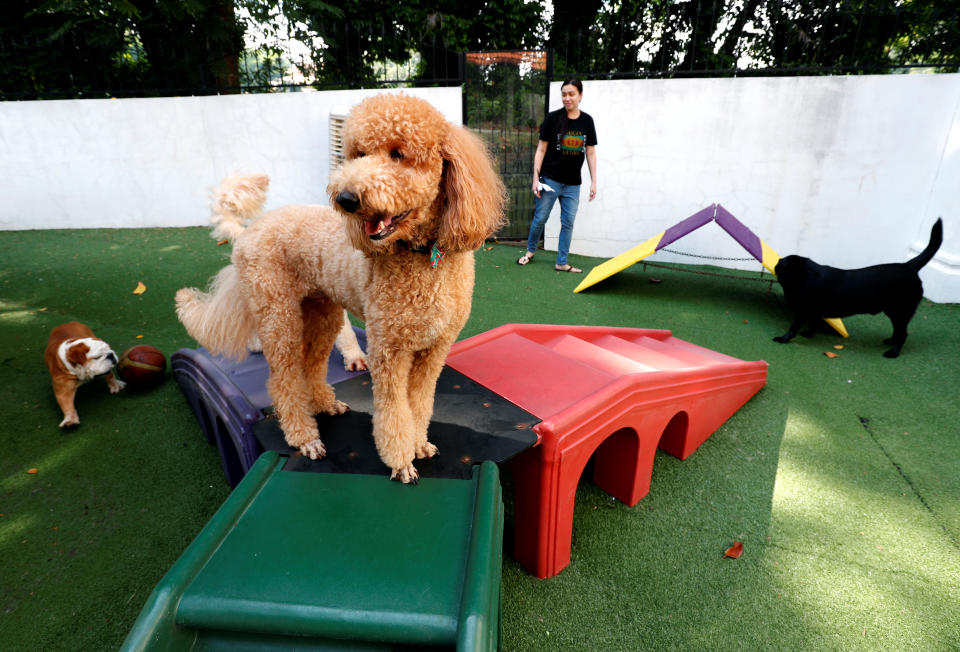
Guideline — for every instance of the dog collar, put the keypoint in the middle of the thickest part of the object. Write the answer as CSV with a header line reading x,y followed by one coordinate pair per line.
x,y
434,251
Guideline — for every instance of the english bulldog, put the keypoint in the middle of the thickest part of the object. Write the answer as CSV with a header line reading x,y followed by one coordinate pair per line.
x,y
74,356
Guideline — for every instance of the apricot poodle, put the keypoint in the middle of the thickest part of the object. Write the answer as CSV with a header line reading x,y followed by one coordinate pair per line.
x,y
413,200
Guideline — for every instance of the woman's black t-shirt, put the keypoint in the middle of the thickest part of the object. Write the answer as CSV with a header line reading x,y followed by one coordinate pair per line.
x,y
566,151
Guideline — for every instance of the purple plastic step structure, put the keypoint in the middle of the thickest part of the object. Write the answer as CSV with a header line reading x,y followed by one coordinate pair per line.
x,y
227,397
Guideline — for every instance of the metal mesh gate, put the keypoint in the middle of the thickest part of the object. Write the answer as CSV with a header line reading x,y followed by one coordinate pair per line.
x,y
504,101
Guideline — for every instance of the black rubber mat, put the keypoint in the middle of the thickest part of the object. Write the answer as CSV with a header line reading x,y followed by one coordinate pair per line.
x,y
470,424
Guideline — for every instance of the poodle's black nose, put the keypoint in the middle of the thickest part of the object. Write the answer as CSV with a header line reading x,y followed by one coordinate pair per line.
x,y
348,201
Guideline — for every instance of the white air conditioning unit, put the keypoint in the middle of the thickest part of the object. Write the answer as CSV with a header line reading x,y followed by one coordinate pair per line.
x,y
337,153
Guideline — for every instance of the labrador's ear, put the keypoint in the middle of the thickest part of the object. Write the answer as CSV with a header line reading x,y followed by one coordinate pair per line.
x,y
474,194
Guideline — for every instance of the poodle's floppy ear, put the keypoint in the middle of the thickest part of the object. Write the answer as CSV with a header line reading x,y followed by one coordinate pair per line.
x,y
474,194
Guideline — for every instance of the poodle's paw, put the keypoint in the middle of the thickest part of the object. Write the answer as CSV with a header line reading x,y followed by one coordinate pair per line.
x,y
406,475
315,449
427,451
70,420
337,407
115,385
357,362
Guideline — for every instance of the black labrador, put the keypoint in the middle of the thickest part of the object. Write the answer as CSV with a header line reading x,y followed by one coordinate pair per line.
x,y
815,291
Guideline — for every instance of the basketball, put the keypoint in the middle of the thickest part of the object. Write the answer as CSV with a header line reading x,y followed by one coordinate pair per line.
x,y
142,366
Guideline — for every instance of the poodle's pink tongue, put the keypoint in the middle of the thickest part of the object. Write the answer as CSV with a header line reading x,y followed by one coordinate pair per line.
x,y
374,227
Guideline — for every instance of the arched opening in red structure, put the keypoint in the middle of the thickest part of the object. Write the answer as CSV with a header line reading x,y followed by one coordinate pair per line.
x,y
614,464
675,434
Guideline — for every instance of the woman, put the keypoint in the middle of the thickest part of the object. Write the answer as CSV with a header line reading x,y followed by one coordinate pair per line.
x,y
567,137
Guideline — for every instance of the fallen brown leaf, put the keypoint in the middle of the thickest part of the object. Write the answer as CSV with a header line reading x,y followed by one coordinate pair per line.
x,y
838,347
734,551
220,243
830,354
33,471
140,289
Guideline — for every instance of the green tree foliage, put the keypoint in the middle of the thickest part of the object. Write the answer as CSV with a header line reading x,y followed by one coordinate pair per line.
x,y
667,37
190,43
88,46
859,34
48,49
350,39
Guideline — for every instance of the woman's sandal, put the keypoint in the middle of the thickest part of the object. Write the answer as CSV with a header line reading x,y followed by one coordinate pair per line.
x,y
568,268
525,258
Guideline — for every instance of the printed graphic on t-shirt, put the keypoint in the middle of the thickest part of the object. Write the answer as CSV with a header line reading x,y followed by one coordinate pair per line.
x,y
572,142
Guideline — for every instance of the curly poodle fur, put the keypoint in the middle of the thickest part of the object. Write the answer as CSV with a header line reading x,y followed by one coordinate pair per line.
x,y
413,185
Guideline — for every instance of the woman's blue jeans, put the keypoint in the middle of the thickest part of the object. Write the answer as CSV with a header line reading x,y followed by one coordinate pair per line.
x,y
569,197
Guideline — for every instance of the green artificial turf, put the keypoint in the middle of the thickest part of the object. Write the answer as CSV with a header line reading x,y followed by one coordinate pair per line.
x,y
840,477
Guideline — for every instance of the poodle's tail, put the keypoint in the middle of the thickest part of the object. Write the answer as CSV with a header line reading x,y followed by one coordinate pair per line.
x,y
237,202
936,239
220,319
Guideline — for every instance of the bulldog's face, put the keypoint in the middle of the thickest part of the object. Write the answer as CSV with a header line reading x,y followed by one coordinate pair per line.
x,y
87,357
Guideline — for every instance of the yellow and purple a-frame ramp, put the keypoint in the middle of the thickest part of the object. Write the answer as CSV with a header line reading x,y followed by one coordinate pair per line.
x,y
713,213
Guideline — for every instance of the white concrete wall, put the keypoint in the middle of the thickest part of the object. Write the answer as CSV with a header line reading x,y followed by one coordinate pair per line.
x,y
151,162
850,171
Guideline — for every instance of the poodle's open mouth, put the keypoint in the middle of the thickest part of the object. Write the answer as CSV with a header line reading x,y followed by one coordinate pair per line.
x,y
379,227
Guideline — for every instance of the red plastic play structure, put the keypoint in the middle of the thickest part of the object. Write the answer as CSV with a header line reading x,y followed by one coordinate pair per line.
x,y
616,393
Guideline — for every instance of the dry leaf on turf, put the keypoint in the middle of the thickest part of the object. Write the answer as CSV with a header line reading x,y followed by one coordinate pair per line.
x,y
220,243
838,347
734,551
830,354
33,471
141,288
